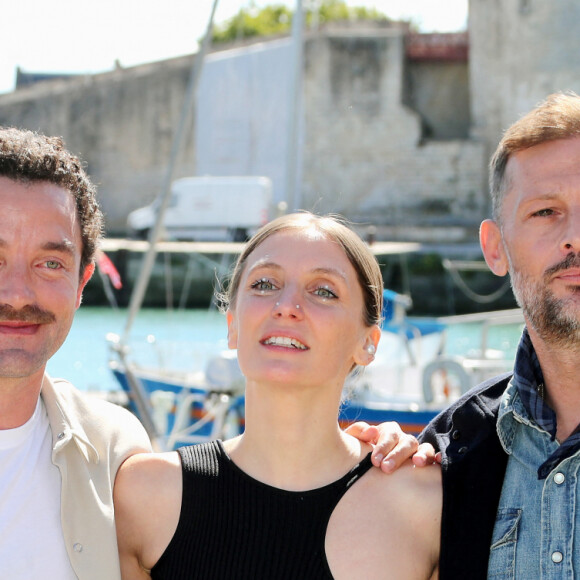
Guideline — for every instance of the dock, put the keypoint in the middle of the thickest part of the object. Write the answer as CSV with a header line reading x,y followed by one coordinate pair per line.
x,y
175,247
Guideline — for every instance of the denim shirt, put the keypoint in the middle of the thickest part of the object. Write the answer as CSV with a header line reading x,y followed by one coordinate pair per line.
x,y
534,533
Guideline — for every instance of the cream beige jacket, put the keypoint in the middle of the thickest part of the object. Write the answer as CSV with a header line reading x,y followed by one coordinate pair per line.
x,y
91,438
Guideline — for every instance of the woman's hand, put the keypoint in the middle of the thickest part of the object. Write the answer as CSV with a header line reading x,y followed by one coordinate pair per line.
x,y
392,446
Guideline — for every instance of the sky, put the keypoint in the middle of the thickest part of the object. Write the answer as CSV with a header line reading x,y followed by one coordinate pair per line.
x,y
80,36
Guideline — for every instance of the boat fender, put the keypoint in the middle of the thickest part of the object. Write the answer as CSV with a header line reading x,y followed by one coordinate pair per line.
x,y
162,403
451,366
223,372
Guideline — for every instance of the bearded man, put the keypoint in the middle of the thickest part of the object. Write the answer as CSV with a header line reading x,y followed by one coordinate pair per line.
x,y
511,446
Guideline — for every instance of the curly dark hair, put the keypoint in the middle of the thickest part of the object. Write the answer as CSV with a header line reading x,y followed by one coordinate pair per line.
x,y
26,156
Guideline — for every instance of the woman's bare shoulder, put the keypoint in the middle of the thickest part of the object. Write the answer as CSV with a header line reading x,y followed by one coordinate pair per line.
x,y
147,505
400,512
413,494
147,478
408,483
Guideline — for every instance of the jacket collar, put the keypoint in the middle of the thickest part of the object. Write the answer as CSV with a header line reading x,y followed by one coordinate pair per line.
x,y
64,422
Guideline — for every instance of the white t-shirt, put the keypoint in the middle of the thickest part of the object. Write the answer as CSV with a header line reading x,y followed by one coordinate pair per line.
x,y
31,539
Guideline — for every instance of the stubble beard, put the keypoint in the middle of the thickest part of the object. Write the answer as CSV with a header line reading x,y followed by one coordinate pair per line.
x,y
555,320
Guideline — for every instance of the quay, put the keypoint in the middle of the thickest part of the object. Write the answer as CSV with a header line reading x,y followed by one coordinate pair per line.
x,y
186,274
182,247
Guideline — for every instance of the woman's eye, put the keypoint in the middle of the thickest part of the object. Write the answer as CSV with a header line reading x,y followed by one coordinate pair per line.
x,y
263,284
325,292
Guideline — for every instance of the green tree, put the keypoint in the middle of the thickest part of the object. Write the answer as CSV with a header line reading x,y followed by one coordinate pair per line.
x,y
335,10
277,19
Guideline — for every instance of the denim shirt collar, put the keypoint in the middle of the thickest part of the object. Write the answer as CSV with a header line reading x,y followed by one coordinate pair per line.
x,y
512,412
523,402
529,381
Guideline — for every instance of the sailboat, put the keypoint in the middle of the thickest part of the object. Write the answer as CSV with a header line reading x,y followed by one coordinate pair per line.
x,y
413,377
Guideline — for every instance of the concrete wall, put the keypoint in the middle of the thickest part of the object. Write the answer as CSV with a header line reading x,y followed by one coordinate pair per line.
x,y
121,123
520,51
244,111
439,92
365,153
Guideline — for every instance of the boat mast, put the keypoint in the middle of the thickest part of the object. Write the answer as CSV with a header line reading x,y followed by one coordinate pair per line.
x,y
293,158
188,105
140,397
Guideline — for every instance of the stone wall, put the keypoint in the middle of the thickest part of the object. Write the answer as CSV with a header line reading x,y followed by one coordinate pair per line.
x,y
375,146
520,51
121,124
367,154
439,92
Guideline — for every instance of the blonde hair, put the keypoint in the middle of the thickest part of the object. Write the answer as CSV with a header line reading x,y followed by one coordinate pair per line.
x,y
333,228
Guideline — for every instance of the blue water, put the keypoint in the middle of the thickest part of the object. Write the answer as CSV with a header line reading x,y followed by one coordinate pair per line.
x,y
188,337
185,340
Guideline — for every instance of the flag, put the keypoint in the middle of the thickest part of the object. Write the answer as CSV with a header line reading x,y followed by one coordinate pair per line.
x,y
107,267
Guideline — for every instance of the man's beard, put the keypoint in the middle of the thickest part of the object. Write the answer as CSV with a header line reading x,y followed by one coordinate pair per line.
x,y
556,320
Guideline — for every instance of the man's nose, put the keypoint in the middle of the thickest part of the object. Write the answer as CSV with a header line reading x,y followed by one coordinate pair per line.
x,y
16,286
571,237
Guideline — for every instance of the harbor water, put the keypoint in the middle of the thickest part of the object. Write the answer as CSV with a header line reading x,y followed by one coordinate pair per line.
x,y
185,339
180,338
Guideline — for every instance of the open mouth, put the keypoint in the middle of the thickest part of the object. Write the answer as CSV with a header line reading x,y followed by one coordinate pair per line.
x,y
285,341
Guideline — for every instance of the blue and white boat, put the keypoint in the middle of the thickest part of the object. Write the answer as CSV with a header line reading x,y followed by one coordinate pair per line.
x,y
418,370
414,375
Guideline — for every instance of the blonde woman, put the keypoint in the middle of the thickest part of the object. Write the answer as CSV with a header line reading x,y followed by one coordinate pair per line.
x,y
293,497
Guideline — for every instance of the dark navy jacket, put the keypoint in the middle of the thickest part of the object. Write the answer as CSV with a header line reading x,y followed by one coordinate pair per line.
x,y
473,469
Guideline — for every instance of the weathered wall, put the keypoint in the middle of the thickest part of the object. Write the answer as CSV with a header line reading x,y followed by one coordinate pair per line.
x,y
121,123
439,92
365,152
437,83
520,51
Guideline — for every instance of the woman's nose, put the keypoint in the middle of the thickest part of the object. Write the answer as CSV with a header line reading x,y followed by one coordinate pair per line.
x,y
288,306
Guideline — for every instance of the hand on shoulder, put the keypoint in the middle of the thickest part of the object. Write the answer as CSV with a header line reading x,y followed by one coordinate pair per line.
x,y
392,446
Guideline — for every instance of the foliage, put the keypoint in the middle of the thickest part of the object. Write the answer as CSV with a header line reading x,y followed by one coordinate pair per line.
x,y
248,22
277,19
333,10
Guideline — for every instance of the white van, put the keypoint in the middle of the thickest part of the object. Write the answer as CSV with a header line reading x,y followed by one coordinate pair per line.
x,y
208,209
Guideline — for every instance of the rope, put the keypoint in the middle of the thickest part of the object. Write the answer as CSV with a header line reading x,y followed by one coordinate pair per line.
x,y
479,298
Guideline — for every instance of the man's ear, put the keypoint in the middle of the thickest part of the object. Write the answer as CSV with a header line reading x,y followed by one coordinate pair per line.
x,y
493,248
232,330
87,275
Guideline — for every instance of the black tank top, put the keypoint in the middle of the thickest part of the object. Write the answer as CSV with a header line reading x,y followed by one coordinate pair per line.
x,y
233,527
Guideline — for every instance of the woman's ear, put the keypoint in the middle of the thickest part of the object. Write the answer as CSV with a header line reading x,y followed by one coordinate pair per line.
x,y
232,330
493,248
366,353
